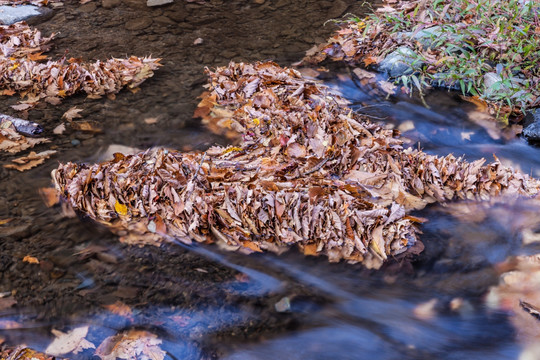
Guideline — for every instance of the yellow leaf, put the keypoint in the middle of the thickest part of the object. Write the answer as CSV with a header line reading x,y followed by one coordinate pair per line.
x,y
62,93
30,259
14,66
232,148
121,209
256,121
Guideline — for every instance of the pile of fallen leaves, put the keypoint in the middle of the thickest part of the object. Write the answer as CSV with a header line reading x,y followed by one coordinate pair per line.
x,y
308,172
22,70
486,48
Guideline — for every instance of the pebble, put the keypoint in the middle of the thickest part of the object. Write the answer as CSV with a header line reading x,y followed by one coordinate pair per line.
x,y
151,3
283,305
75,142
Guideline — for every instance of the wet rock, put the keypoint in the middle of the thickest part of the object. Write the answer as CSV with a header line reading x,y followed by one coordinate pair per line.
x,y
400,62
109,4
532,131
158,2
30,13
138,24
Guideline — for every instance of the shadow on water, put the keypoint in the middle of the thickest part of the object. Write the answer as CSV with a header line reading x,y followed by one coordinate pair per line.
x,y
203,302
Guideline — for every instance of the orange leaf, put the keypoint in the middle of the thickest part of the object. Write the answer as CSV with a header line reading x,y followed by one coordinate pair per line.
x,y
30,259
368,60
36,57
252,246
310,249
119,308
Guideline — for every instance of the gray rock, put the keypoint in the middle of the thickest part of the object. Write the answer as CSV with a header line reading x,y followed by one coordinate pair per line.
x,y
12,14
158,2
532,131
400,62
427,37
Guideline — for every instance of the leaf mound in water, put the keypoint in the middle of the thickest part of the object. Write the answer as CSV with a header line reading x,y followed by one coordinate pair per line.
x,y
308,172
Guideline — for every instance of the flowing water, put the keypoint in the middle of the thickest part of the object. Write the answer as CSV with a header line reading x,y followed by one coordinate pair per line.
x,y
204,302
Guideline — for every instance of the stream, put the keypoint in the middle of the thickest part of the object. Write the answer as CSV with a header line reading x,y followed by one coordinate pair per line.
x,y
204,302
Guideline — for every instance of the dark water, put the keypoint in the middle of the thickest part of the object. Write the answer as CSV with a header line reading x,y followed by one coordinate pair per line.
x,y
203,302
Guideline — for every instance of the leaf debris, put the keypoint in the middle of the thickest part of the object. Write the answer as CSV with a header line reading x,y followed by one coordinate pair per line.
x,y
312,173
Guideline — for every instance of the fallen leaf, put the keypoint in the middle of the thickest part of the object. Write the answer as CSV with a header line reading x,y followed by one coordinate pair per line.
x,y
296,150
31,160
30,259
87,126
5,221
59,130
36,57
50,196
72,113
21,107
151,120
73,341
121,209
133,344
387,87
119,308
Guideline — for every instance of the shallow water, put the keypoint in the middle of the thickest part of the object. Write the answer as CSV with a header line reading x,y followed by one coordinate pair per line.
x,y
203,302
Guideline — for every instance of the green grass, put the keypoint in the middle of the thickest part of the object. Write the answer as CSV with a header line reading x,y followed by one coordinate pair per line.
x,y
475,38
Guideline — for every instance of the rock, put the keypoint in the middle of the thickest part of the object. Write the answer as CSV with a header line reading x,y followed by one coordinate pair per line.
x,y
12,14
427,37
158,2
532,131
138,24
283,305
400,62
109,4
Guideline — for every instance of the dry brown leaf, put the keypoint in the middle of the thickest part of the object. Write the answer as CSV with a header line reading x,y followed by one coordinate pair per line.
x,y
31,160
86,126
132,344
72,113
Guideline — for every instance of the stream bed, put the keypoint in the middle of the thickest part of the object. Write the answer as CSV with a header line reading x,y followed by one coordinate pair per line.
x,y
204,302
